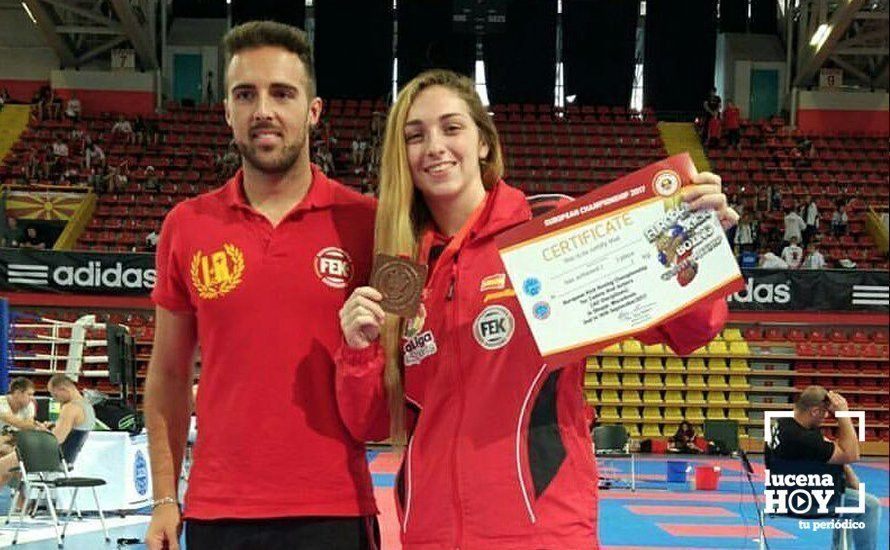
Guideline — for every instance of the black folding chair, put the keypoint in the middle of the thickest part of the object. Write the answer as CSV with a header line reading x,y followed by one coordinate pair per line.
x,y
43,468
613,441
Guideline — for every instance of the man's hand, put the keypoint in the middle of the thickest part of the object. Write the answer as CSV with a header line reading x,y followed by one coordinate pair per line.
x,y
836,402
164,529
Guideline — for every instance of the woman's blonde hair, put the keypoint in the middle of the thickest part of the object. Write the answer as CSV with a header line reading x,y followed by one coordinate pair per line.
x,y
402,213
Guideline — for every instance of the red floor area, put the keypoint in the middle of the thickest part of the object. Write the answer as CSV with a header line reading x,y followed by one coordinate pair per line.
x,y
709,511
721,531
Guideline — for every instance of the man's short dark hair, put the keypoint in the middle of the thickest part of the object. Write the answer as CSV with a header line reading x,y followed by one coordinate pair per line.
x,y
812,396
20,384
61,380
256,34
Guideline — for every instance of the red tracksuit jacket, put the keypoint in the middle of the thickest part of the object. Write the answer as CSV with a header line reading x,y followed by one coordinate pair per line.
x,y
500,454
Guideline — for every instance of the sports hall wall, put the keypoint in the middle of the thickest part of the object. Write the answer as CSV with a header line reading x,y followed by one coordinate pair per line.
x,y
852,112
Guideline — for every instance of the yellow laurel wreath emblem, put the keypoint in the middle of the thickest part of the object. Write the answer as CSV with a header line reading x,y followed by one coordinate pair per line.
x,y
216,289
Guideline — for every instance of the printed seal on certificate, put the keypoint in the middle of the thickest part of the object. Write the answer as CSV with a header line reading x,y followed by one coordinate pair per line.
x,y
401,283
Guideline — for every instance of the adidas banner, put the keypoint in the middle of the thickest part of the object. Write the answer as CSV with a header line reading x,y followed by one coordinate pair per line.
x,y
812,290
76,272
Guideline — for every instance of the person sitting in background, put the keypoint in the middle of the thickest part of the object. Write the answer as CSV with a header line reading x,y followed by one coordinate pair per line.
x,y
60,148
76,420
839,221
12,233
814,258
793,254
32,240
714,130
151,180
17,411
72,109
684,439
768,260
151,240
122,130
800,438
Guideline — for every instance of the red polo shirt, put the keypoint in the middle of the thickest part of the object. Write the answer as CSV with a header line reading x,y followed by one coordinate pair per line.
x,y
270,439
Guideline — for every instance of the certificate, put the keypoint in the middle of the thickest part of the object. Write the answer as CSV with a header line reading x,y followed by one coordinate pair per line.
x,y
617,261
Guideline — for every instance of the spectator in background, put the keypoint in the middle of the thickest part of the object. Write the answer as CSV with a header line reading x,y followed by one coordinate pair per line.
x,y
359,151
60,148
744,235
775,198
97,179
94,156
768,260
32,239
151,240
4,97
117,180
208,89
55,104
72,109
151,180
811,217
793,254
32,165
839,220
122,130
814,258
12,233
684,439
732,124
138,136
794,226
712,105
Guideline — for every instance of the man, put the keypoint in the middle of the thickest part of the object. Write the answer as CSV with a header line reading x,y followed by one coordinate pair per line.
x,y
792,254
13,234
794,225
800,438
32,239
814,259
76,420
811,217
72,109
256,272
16,411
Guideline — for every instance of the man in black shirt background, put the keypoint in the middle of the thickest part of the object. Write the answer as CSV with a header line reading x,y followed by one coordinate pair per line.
x,y
800,438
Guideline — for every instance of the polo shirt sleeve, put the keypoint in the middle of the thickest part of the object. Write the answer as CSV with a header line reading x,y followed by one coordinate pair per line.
x,y
171,290
691,330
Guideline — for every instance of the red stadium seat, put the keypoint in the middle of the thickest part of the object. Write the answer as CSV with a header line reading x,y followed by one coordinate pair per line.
x,y
774,334
817,335
797,335
837,335
860,336
753,334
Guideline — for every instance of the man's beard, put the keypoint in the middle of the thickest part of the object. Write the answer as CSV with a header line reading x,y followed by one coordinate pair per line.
x,y
279,164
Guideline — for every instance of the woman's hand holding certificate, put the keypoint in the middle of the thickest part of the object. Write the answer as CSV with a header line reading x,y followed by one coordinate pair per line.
x,y
621,259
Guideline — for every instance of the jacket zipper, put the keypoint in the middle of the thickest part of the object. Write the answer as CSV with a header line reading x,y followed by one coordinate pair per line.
x,y
455,467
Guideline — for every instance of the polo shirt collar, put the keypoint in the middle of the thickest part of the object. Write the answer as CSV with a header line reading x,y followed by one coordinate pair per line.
x,y
320,194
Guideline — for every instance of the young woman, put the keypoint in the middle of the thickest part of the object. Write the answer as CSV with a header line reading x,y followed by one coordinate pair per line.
x,y
499,452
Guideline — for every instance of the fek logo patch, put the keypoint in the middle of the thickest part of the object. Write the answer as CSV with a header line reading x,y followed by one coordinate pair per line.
x,y
493,327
